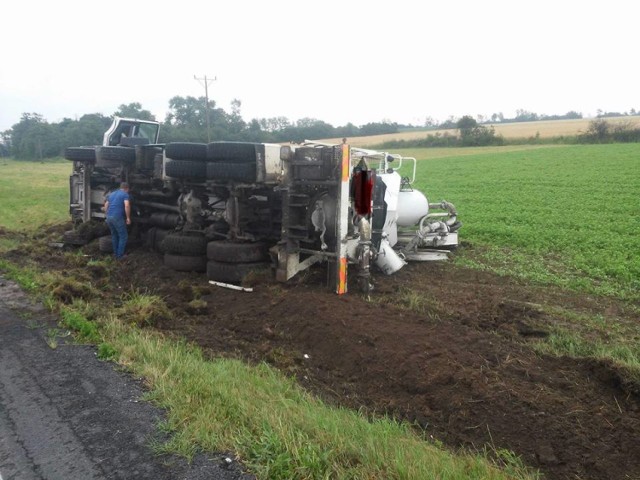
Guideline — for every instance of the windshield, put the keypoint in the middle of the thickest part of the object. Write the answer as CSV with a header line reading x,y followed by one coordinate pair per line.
x,y
127,128
148,130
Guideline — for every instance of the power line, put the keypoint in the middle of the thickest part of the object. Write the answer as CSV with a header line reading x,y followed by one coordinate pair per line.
x,y
205,82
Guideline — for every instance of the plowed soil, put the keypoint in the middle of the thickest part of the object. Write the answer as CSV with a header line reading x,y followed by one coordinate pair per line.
x,y
462,368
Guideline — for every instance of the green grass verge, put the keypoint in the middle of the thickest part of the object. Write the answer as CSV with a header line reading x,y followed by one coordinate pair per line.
x,y
559,215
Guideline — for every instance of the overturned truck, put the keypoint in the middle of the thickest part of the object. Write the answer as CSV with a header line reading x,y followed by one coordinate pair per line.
x,y
229,208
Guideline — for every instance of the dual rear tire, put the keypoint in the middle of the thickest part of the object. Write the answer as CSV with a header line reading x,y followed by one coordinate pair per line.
x,y
231,262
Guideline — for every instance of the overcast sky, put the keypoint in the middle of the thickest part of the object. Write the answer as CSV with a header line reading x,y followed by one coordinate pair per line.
x,y
338,61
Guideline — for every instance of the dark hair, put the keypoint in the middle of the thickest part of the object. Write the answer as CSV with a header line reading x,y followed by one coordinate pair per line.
x,y
124,185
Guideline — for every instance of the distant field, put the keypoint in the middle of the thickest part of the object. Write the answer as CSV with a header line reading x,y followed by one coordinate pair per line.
x,y
545,129
565,215
33,194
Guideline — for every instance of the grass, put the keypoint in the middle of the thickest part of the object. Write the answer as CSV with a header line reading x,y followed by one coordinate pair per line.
x,y
559,215
33,194
584,335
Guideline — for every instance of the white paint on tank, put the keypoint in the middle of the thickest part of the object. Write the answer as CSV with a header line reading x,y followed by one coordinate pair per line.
x,y
412,206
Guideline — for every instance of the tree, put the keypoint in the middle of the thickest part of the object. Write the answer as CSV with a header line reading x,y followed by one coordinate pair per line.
x,y
133,110
598,130
236,123
188,111
466,123
472,134
526,116
88,130
429,122
573,115
34,139
186,120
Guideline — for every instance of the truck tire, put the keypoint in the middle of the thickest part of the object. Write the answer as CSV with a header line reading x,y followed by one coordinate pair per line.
x,y
240,172
185,263
232,152
186,169
158,240
230,252
145,156
231,272
110,157
72,237
105,244
186,151
80,154
150,238
180,244
154,239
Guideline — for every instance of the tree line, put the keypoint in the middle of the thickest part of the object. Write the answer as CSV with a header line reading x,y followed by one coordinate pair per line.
x,y
33,137
191,119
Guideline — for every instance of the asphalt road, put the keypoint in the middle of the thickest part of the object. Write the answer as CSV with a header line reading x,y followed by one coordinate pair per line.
x,y
64,414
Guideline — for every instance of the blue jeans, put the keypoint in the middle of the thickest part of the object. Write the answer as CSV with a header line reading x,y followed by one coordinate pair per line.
x,y
119,235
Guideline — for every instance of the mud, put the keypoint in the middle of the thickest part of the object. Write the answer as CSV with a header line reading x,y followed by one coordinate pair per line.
x,y
462,370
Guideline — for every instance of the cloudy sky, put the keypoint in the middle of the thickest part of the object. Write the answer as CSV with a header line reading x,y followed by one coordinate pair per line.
x,y
338,61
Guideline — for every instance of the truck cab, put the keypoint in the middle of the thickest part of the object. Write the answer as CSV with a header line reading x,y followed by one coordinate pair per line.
x,y
124,128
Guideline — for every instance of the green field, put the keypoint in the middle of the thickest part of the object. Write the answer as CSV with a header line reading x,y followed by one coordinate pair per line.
x,y
33,194
566,215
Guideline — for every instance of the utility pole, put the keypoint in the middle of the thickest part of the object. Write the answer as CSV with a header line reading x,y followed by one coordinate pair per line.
x,y
205,82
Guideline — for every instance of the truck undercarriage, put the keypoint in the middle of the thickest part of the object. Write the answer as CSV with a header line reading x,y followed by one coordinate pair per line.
x,y
228,208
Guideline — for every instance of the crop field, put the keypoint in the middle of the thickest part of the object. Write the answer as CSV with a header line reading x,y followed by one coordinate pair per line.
x,y
542,129
566,215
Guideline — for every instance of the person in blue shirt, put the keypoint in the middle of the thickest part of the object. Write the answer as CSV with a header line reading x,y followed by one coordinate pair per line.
x,y
118,210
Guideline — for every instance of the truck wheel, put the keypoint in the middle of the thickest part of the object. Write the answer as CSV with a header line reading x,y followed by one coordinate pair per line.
x,y
229,252
186,151
145,156
179,244
158,241
109,157
71,237
80,154
185,263
241,172
186,169
231,272
232,152
105,244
